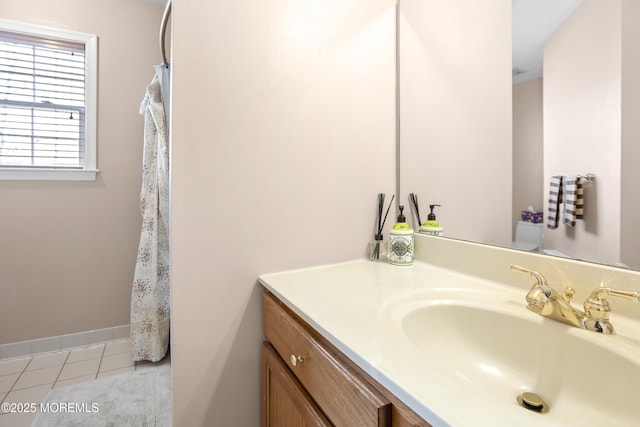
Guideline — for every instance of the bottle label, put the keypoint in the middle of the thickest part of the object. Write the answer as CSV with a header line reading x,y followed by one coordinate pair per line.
x,y
401,249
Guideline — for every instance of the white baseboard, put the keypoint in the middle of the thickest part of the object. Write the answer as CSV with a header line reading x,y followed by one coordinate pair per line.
x,y
62,342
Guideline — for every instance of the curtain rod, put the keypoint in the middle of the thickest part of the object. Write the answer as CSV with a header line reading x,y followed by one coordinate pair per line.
x,y
163,31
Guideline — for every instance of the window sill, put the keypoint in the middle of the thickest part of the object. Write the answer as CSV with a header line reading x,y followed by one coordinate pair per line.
x,y
19,174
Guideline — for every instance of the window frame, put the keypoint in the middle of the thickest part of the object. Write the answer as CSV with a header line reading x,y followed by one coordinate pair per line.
x,y
89,170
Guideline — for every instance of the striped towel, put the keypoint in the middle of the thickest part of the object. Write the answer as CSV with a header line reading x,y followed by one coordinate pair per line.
x,y
573,205
579,199
555,198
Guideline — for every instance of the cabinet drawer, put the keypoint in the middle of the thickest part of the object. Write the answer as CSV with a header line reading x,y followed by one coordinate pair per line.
x,y
344,396
284,401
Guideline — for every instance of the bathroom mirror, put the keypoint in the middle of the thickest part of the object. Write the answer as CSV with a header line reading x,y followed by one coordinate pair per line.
x,y
467,145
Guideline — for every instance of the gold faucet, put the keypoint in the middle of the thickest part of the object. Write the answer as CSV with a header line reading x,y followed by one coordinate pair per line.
x,y
545,301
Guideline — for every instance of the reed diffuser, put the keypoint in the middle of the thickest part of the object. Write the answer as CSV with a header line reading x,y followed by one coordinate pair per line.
x,y
378,250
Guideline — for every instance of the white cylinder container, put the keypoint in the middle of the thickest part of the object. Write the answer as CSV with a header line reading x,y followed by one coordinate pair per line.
x,y
401,245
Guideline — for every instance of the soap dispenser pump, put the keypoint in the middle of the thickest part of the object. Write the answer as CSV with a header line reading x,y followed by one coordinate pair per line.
x,y
401,242
432,226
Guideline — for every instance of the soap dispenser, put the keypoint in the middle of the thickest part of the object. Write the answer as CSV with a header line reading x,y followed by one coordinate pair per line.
x,y
432,226
401,242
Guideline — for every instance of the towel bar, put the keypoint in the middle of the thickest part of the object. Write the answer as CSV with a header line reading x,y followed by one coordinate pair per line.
x,y
588,176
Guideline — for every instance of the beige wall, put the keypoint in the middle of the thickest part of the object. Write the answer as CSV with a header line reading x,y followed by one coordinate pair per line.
x,y
456,114
283,134
630,235
528,188
582,125
68,249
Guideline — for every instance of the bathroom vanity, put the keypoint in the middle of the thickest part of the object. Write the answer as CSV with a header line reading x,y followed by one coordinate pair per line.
x,y
448,342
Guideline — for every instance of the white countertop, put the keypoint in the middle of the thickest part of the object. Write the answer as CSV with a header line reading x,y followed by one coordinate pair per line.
x,y
358,305
345,302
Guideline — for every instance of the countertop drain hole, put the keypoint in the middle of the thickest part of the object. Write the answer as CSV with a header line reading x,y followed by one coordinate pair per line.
x,y
532,402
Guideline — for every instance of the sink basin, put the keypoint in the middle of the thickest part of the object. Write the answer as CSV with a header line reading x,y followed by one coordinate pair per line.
x,y
489,349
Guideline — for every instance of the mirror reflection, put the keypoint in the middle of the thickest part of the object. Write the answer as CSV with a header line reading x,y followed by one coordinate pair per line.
x,y
487,146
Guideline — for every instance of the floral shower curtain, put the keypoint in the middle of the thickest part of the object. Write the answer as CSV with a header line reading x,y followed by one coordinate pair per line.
x,y
150,294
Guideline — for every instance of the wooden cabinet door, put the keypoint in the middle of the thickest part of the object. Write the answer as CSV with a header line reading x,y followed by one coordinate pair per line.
x,y
284,402
343,395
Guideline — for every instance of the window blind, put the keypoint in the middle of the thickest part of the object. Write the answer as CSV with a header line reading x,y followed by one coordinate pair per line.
x,y
42,102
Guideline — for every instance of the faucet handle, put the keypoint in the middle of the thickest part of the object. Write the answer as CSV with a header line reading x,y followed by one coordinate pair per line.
x,y
540,279
600,294
597,306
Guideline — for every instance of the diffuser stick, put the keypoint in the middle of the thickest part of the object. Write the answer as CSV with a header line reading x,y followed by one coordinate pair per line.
x,y
385,215
380,208
414,201
376,245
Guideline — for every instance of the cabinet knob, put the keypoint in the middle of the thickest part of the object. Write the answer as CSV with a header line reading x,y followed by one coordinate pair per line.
x,y
296,359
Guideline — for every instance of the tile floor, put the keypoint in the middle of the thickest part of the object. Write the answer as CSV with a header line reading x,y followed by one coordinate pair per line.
x,y
29,379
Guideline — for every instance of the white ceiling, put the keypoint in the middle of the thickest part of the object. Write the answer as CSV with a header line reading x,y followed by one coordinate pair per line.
x,y
534,21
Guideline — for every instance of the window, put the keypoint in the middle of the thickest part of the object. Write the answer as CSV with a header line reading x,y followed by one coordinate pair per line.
x,y
48,81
